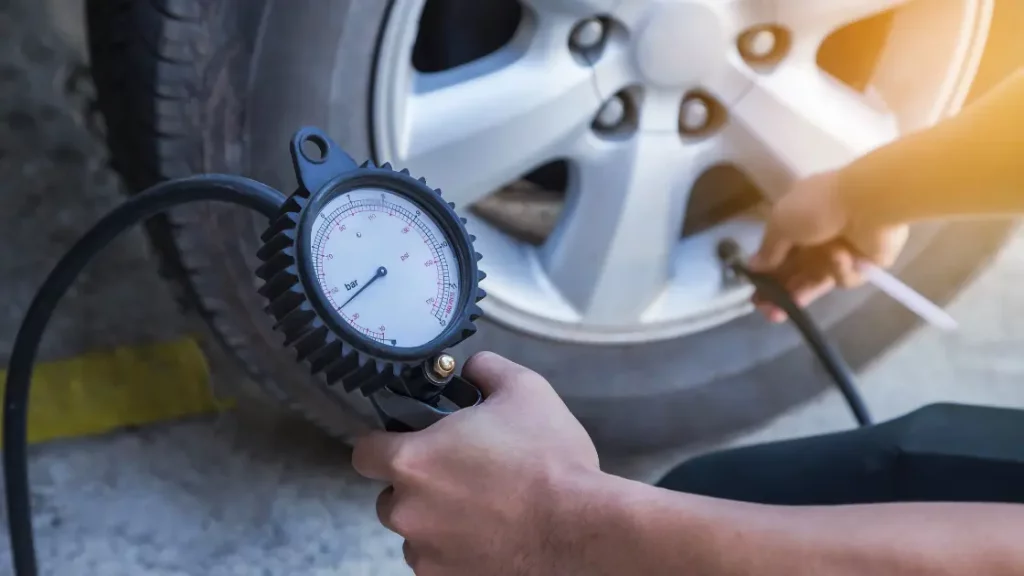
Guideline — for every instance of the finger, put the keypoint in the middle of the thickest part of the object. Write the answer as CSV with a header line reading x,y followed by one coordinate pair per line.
x,y
493,374
767,306
808,285
373,455
411,558
798,282
808,293
843,266
881,248
775,247
792,285
385,505
770,311
775,315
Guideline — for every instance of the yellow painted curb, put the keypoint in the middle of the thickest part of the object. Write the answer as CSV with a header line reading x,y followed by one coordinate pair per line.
x,y
130,386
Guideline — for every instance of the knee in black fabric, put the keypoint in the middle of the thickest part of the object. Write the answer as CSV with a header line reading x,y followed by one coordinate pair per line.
x,y
942,452
841,468
951,452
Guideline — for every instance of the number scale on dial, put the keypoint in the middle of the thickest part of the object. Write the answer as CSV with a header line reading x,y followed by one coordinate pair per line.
x,y
386,267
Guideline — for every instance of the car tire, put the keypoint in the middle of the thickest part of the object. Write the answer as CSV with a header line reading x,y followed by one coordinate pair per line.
x,y
190,86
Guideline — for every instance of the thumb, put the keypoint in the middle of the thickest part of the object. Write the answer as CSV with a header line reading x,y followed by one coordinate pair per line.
x,y
775,246
493,374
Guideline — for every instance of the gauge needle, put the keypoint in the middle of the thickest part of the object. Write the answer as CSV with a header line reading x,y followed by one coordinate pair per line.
x,y
381,272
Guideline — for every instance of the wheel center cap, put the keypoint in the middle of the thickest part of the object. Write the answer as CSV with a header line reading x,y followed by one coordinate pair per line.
x,y
679,43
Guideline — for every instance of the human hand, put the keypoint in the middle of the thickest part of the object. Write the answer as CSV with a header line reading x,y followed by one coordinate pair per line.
x,y
814,240
484,490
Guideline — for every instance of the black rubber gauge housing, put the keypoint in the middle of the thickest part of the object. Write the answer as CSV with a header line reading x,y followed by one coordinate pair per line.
x,y
309,317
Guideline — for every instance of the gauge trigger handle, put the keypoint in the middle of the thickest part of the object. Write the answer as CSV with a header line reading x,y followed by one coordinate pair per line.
x,y
402,413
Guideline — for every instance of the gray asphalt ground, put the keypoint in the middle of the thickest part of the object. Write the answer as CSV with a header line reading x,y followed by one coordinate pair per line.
x,y
258,493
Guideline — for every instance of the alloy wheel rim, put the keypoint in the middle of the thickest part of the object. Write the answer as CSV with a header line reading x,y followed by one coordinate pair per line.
x,y
615,269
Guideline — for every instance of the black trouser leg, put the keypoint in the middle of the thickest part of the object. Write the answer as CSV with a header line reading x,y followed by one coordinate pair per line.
x,y
942,452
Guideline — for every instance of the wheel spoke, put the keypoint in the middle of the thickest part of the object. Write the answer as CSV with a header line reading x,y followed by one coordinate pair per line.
x,y
473,129
798,121
818,18
610,255
659,111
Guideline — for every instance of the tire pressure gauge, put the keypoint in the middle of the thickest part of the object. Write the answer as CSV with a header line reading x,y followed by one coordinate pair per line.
x,y
371,276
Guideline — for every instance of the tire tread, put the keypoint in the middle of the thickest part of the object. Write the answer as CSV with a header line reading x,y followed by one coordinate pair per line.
x,y
149,58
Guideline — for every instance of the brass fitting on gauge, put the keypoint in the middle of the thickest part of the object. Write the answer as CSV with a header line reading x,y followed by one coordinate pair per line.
x,y
444,365
430,378
441,369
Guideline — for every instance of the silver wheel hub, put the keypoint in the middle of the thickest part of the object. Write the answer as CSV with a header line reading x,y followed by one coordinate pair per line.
x,y
670,29
615,268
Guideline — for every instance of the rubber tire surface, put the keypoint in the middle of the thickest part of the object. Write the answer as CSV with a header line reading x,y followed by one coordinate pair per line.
x,y
193,86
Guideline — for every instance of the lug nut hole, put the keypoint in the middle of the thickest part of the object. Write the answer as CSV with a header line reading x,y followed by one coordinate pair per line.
x,y
619,115
588,35
700,115
764,46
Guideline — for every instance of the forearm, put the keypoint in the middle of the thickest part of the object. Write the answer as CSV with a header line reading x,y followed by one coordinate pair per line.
x,y
968,165
638,529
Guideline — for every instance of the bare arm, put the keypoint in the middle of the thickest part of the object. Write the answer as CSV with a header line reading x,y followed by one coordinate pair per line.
x,y
631,528
513,488
967,165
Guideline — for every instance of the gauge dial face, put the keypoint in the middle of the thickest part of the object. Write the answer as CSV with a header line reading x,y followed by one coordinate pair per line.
x,y
386,267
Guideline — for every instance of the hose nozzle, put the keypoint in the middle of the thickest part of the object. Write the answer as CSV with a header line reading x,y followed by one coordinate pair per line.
x,y
730,252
